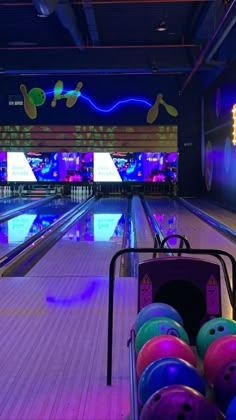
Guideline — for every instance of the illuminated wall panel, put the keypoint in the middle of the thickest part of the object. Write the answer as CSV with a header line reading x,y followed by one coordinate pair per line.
x,y
88,138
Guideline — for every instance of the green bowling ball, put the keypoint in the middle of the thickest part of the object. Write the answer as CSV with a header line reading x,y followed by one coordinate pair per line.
x,y
159,326
211,330
37,96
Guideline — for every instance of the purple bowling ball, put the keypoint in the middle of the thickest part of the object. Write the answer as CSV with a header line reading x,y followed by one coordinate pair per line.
x,y
225,385
177,402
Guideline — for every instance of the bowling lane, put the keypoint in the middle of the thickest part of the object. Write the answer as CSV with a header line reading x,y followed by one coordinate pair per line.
x,y
173,217
18,229
11,203
87,248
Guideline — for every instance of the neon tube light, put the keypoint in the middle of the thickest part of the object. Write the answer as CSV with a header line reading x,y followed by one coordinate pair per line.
x,y
104,109
234,125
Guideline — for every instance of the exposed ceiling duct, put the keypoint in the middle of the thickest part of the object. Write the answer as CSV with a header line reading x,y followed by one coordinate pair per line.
x,y
67,17
45,7
91,21
65,13
225,25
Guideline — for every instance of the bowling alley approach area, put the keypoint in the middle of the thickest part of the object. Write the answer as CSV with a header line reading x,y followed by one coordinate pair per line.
x,y
117,210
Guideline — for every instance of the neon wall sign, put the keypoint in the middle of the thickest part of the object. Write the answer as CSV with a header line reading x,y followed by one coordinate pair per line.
x,y
37,97
234,125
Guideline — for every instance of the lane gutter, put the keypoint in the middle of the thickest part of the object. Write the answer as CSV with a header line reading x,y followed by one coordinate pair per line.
x,y
221,227
22,209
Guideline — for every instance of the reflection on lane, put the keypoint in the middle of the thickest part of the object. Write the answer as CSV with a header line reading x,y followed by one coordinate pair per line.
x,y
98,227
167,225
7,204
18,229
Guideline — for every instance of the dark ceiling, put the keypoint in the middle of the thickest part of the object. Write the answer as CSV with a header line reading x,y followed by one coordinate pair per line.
x,y
118,36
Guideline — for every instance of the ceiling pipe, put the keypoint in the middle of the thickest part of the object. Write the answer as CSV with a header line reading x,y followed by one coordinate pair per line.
x,y
100,47
142,1
8,4
102,72
208,46
65,14
67,18
91,22
220,41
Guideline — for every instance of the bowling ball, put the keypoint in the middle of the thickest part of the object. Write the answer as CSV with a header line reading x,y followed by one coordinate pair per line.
x,y
220,352
159,326
163,346
155,310
178,402
37,96
225,385
168,371
211,330
231,410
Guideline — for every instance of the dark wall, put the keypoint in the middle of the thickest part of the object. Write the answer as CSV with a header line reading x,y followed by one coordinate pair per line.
x,y
189,140
219,153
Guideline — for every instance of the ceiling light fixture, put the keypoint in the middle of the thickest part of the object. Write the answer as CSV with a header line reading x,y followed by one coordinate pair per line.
x,y
162,26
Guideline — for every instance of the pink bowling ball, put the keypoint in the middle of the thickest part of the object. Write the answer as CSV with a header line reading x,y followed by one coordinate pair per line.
x,y
218,354
163,346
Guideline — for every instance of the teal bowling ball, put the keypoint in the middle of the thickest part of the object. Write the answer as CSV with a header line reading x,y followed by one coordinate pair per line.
x,y
156,310
159,326
211,330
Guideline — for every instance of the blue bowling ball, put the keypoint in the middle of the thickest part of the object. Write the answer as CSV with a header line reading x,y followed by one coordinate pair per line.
x,y
231,410
168,371
155,310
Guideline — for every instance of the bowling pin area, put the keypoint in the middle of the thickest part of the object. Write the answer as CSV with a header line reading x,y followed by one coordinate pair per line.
x,y
99,189
55,317
5,191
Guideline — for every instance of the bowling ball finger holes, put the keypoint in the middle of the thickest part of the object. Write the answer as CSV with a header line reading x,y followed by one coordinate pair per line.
x,y
213,331
157,398
187,407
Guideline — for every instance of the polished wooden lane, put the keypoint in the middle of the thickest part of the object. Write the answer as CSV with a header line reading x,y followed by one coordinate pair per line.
x,y
53,348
